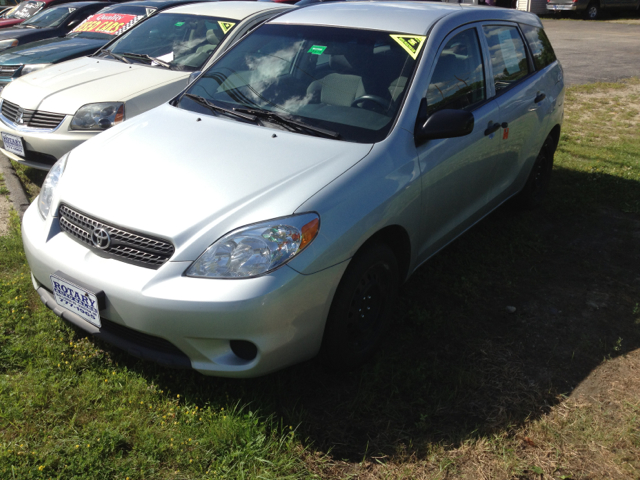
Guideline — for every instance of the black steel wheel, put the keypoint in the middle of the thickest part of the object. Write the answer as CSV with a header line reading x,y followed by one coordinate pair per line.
x,y
537,184
593,11
360,311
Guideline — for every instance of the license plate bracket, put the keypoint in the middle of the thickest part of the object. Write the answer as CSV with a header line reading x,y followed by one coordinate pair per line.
x,y
79,299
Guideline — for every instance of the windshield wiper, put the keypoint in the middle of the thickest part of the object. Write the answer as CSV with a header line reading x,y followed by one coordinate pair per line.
x,y
116,56
215,108
162,63
285,121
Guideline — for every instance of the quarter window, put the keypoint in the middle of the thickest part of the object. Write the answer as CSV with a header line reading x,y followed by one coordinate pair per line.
x,y
508,55
458,79
540,45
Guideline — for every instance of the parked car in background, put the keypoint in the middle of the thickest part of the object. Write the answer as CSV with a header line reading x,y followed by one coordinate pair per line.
x,y
49,23
28,9
591,9
83,40
6,6
146,66
270,211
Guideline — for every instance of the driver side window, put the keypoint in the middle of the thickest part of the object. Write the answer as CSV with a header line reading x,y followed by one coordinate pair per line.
x,y
458,79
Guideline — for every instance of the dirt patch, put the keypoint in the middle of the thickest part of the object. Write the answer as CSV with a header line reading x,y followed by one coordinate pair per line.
x,y
5,208
614,111
614,381
628,21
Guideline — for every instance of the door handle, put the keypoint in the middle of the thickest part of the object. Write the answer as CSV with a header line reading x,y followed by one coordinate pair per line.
x,y
492,128
539,97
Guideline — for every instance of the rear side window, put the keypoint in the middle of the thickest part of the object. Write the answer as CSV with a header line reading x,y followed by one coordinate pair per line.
x,y
458,79
540,45
508,55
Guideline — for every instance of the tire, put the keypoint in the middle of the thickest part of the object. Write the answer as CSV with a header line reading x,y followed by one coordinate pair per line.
x,y
593,11
360,311
534,191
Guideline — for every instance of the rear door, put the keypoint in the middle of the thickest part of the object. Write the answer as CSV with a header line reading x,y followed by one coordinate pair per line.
x,y
524,106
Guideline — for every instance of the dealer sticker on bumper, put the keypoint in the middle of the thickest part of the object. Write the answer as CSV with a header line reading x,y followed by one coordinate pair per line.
x,y
13,144
76,299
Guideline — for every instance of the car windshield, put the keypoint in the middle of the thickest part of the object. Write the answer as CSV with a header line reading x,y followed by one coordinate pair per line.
x,y
26,10
176,41
50,18
347,81
111,22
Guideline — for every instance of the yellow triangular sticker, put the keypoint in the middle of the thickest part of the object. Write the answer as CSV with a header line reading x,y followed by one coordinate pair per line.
x,y
411,43
225,26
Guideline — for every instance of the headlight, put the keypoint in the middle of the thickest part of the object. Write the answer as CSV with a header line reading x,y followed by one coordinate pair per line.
x,y
50,184
33,68
11,42
256,249
98,116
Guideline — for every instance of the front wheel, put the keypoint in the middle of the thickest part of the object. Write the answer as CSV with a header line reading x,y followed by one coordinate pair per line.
x,y
537,184
361,307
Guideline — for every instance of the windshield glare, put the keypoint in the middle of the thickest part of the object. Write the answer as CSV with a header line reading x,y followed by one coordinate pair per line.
x,y
53,17
185,42
348,81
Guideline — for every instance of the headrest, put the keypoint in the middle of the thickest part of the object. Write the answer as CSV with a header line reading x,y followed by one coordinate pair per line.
x,y
212,38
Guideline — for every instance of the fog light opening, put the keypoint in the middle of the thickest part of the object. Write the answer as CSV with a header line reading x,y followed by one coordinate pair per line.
x,y
243,349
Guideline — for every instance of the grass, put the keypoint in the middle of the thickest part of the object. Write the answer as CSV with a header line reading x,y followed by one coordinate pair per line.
x,y
461,389
3,188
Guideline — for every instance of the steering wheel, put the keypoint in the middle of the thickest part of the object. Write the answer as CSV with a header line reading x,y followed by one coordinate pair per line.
x,y
377,100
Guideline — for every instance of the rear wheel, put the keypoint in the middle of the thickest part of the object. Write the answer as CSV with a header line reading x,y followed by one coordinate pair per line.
x,y
593,11
360,311
537,184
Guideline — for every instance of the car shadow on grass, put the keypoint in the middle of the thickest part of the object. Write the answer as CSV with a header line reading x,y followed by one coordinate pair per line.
x,y
458,363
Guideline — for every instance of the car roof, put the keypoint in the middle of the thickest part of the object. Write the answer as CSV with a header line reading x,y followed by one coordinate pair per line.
x,y
160,4
234,10
396,16
79,4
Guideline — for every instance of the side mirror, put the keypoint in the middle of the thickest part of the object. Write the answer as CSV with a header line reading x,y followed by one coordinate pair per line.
x,y
445,123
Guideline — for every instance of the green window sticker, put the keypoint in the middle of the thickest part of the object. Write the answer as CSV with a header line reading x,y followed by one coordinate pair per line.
x,y
317,50
225,26
179,24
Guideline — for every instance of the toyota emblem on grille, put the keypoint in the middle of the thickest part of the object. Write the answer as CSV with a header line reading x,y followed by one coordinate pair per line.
x,y
100,238
19,115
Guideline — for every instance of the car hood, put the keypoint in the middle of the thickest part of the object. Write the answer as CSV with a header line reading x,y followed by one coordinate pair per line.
x,y
66,87
191,178
10,21
7,33
52,50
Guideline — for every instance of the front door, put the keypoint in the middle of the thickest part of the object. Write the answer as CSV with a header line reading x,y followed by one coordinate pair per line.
x,y
457,173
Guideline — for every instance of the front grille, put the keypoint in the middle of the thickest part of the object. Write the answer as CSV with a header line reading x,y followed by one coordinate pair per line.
x,y
8,70
124,245
140,339
31,118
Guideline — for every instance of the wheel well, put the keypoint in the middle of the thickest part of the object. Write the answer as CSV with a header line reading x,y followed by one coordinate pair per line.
x,y
397,239
555,134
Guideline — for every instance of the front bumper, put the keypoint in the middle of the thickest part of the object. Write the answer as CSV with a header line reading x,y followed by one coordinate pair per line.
x,y
44,147
283,314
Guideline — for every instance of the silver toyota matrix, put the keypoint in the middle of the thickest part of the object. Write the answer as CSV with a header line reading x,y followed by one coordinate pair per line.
x,y
270,211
